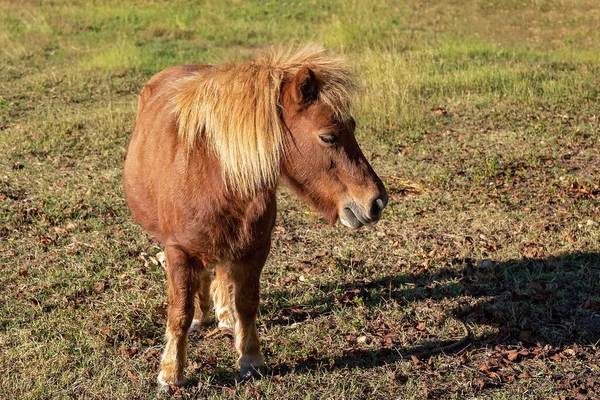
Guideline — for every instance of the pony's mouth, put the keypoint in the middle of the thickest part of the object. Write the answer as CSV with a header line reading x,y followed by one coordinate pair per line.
x,y
354,217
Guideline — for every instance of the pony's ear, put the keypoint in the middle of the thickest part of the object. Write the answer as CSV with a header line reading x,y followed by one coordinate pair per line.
x,y
305,87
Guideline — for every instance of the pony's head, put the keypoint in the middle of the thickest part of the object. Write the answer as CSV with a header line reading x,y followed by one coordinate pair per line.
x,y
286,114
322,160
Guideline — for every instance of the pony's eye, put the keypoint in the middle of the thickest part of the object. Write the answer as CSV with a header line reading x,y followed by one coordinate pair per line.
x,y
328,139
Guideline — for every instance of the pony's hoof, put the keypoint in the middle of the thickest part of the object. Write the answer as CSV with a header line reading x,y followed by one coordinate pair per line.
x,y
248,373
164,385
225,325
196,326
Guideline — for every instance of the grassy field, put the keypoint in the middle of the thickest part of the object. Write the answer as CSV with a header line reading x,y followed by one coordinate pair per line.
x,y
481,116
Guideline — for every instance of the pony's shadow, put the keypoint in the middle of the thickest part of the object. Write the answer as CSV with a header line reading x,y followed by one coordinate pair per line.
x,y
550,299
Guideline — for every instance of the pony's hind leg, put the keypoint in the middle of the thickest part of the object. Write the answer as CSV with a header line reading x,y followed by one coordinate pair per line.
x,y
220,291
182,283
202,302
245,281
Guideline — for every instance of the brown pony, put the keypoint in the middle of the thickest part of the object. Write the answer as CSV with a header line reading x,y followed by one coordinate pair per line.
x,y
210,146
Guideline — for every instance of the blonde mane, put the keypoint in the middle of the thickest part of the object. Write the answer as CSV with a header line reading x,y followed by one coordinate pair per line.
x,y
235,108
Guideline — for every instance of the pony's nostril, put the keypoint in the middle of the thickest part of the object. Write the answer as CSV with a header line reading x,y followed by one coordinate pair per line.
x,y
378,205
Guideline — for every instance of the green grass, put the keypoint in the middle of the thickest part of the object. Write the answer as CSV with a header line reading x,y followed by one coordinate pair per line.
x,y
482,117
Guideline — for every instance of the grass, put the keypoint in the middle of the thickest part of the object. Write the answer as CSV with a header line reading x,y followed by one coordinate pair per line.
x,y
482,117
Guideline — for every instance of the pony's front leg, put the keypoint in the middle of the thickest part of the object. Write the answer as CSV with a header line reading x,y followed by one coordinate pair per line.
x,y
245,280
182,285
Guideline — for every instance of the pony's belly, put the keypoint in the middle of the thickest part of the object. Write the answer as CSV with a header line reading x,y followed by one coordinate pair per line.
x,y
140,199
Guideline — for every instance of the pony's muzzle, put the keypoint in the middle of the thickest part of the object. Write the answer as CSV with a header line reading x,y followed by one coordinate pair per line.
x,y
354,215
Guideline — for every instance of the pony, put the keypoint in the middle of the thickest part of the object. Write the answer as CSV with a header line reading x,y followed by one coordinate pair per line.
x,y
211,145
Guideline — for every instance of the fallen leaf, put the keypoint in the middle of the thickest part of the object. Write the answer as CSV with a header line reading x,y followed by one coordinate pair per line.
x,y
439,110
479,383
556,357
128,352
570,352
101,286
253,392
161,310
132,377
152,353
512,355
